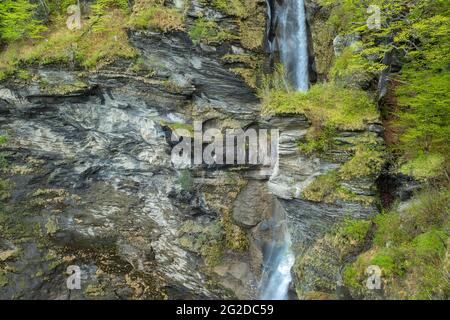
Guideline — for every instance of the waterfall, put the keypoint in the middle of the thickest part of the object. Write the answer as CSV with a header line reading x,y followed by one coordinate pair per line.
x,y
293,43
279,260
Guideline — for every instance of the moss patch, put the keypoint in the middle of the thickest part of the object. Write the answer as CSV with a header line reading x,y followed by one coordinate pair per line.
x,y
208,31
326,104
100,41
154,14
328,188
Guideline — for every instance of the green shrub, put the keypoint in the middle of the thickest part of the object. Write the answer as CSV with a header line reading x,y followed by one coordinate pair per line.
x,y
18,20
352,69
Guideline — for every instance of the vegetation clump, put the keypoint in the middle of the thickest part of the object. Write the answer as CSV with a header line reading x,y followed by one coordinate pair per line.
x,y
154,14
414,35
209,31
101,39
411,248
328,188
325,104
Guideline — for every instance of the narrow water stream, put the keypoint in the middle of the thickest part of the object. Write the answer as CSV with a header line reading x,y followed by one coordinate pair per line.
x,y
293,45
280,260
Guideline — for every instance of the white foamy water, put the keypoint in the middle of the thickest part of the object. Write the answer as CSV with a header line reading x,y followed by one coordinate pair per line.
x,y
277,275
293,43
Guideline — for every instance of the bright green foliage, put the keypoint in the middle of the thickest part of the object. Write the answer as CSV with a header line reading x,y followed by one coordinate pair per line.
x,y
322,142
416,32
425,167
425,96
101,7
355,230
368,159
410,246
326,104
430,245
17,20
385,260
353,70
102,39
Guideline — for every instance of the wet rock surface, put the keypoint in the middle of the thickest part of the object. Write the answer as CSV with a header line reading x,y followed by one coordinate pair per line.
x,y
91,161
93,184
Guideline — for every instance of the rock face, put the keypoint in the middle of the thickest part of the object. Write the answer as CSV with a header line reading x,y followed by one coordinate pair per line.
x,y
92,173
296,171
93,185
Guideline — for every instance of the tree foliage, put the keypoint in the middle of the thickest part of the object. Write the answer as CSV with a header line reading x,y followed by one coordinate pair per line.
x,y
18,20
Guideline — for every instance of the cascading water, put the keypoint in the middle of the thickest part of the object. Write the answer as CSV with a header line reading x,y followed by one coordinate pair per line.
x,y
293,43
279,260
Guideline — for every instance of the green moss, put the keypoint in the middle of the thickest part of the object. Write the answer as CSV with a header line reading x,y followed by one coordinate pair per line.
x,y
207,241
186,180
154,14
425,167
250,18
3,278
63,89
355,230
351,277
251,31
368,160
208,31
326,104
322,142
430,244
235,238
385,261
51,226
328,188
322,187
238,8
213,254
